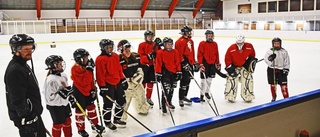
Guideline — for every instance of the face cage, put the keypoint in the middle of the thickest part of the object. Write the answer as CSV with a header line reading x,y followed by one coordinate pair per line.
x,y
209,40
146,38
34,46
123,47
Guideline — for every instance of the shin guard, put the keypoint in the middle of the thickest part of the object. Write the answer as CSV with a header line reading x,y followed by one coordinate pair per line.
x,y
246,85
284,90
56,130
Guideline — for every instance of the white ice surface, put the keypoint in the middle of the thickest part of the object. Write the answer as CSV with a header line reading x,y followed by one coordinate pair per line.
x,y
304,76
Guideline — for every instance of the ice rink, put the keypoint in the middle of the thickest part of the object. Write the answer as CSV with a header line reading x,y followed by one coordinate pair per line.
x,y
304,76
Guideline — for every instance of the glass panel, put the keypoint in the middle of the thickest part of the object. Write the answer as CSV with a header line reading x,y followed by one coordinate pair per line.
x,y
262,7
295,5
272,6
283,6
308,5
318,5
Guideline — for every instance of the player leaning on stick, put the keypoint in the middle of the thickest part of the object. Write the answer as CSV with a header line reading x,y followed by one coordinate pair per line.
x,y
240,63
208,57
84,90
130,62
56,94
278,61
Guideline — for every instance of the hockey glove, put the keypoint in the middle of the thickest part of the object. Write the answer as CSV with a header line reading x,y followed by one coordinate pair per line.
x,y
72,101
151,55
232,71
124,83
64,93
250,64
103,91
285,72
158,42
196,67
158,77
185,66
202,68
272,57
90,65
93,95
178,76
30,123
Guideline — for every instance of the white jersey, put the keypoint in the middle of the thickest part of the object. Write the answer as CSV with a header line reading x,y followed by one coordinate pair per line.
x,y
282,60
52,86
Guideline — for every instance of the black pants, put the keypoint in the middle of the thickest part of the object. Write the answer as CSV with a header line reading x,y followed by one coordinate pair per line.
x,y
35,129
280,77
168,84
184,83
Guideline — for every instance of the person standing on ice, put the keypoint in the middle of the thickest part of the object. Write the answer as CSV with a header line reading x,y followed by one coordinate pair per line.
x,y
240,64
130,62
208,58
57,95
22,88
278,61
147,51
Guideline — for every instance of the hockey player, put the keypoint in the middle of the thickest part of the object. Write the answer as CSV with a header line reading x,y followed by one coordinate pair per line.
x,y
168,71
130,62
240,63
56,94
112,83
22,90
84,90
185,46
147,51
278,61
208,57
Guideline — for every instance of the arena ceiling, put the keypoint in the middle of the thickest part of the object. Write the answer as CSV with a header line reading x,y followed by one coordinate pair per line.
x,y
170,5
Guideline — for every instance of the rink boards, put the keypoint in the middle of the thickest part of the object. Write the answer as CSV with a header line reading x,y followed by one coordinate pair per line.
x,y
282,118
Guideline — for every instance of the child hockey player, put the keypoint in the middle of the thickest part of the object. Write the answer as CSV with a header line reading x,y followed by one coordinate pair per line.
x,y
130,62
278,61
208,57
168,71
56,93
84,90
112,83
240,63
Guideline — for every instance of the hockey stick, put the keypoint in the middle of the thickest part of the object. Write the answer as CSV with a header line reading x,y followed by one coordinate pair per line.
x,y
154,64
167,103
48,133
274,75
108,97
201,92
98,102
84,113
219,72
214,103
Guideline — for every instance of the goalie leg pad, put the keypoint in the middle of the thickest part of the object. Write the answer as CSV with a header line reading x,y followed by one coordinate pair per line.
x,y
231,89
137,78
129,96
246,86
139,101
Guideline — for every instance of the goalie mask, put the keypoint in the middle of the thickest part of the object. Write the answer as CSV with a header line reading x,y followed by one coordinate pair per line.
x,y
240,40
209,36
122,45
53,62
186,31
168,43
106,45
80,55
276,39
19,40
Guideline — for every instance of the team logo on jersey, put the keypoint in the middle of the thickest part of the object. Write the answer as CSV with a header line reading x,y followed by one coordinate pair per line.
x,y
189,45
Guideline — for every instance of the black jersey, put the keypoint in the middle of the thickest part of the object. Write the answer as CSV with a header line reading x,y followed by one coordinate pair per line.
x,y
130,65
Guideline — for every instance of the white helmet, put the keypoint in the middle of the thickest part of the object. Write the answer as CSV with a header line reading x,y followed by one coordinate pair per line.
x,y
240,40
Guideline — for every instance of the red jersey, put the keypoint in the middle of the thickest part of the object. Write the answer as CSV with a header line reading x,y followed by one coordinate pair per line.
x,y
185,47
238,57
144,49
108,70
82,79
170,59
208,51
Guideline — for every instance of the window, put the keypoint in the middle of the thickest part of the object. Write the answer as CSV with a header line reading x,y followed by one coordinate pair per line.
x,y
308,5
262,7
318,5
295,5
283,6
272,6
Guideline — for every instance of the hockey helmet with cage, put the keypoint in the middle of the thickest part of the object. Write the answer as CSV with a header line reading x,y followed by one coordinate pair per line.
x,y
277,39
186,31
166,41
146,34
52,62
19,40
123,44
240,40
207,37
79,56
105,44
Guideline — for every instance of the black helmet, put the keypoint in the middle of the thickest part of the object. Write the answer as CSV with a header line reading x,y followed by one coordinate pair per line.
x,y
207,33
52,61
104,44
186,30
276,39
122,45
165,41
146,33
79,54
18,40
